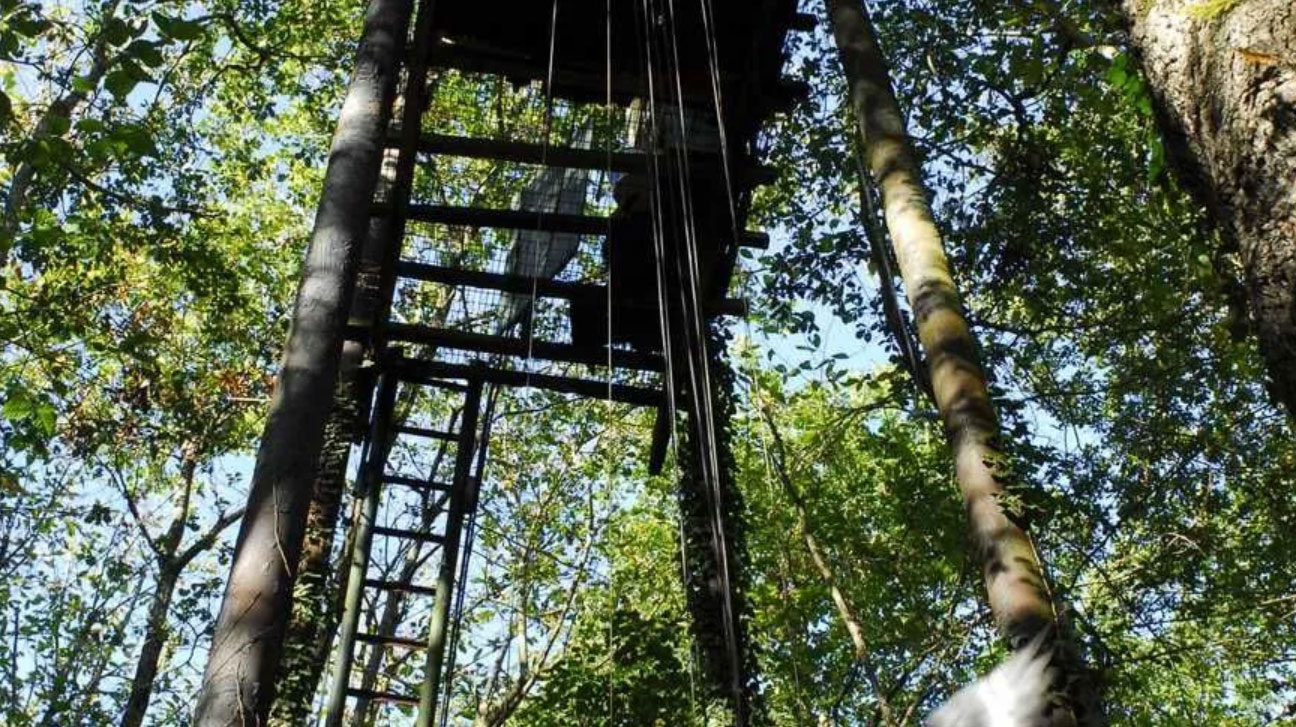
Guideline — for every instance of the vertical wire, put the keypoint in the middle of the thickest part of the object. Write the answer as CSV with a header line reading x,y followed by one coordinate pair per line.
x,y
713,63
547,128
610,474
699,366
655,195
470,536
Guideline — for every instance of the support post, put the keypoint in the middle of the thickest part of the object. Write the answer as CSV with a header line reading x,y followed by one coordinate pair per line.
x,y
238,684
380,437
460,497
1018,595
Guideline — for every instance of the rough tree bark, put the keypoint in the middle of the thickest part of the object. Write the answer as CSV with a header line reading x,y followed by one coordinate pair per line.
x,y
1224,82
1019,598
314,616
238,684
316,609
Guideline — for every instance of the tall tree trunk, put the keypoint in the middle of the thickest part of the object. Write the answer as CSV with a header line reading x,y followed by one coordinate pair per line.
x,y
1019,598
238,684
316,609
157,632
314,616
715,536
1225,86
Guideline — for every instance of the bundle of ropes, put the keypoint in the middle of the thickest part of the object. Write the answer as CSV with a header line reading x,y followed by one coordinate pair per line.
x,y
698,382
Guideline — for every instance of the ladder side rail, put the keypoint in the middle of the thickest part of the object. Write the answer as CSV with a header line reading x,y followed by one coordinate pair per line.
x,y
371,486
416,99
459,503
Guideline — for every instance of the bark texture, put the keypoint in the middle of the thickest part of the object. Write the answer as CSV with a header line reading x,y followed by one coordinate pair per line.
x,y
238,684
1224,83
1018,595
315,615
316,607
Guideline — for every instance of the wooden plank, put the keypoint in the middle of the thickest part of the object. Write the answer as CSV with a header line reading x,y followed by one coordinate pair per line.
x,y
426,433
521,348
531,220
593,84
415,483
526,285
621,393
399,587
526,153
661,435
387,697
627,162
397,641
523,284
509,219
407,535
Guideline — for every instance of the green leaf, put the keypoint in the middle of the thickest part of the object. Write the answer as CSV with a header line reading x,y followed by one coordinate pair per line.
x,y
83,84
6,108
46,418
18,406
120,83
28,24
59,125
135,139
116,31
146,52
178,28
90,126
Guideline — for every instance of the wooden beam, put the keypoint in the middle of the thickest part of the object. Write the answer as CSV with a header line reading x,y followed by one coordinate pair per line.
x,y
523,284
526,153
661,435
628,162
422,371
399,642
387,697
531,220
592,83
541,287
521,348
509,219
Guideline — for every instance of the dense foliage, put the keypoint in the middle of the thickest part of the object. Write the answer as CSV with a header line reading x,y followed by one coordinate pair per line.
x,y
160,161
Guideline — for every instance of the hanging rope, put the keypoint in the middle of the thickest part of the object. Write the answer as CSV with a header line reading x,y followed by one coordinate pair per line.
x,y
678,272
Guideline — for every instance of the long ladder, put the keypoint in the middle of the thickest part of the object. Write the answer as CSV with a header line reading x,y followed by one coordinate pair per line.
x,y
452,503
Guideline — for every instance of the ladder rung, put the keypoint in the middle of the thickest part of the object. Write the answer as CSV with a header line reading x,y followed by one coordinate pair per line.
x,y
522,348
382,696
427,433
415,483
399,587
408,534
399,641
